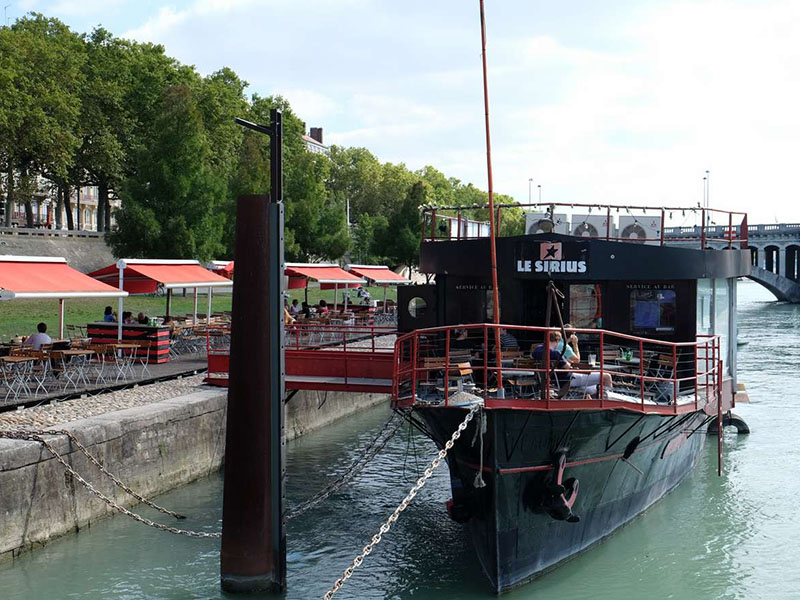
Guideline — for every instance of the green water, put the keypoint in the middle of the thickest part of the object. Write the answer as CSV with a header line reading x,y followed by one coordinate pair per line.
x,y
732,537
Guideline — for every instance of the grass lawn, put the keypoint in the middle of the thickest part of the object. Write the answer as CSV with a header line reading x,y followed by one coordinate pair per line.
x,y
19,317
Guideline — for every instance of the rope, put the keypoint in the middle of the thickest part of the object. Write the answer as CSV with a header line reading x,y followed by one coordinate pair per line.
x,y
372,449
22,435
348,572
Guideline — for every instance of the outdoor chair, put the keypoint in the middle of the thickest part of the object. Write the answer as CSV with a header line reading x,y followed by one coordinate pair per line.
x,y
141,356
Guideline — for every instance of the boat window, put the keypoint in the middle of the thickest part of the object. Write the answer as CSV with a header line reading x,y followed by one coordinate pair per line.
x,y
585,306
722,316
653,310
416,307
705,310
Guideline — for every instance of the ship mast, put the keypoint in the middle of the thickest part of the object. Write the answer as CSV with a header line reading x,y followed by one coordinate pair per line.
x,y
492,232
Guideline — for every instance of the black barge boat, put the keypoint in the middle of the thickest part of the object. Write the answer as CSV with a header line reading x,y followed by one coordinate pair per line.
x,y
566,449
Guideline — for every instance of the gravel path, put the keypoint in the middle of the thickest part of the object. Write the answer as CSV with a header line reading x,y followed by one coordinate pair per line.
x,y
50,415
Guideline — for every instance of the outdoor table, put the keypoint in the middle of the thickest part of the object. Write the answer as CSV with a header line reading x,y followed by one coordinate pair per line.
x,y
123,360
16,372
74,363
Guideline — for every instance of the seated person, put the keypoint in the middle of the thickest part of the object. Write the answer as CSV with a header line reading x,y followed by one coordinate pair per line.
x,y
127,318
460,340
571,352
142,319
508,341
288,319
172,324
295,309
306,310
109,316
36,340
587,382
323,308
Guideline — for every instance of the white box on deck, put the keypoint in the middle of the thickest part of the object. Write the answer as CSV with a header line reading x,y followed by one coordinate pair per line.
x,y
640,228
595,225
533,223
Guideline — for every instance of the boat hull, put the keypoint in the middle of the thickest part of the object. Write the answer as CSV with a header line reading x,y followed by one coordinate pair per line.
x,y
623,463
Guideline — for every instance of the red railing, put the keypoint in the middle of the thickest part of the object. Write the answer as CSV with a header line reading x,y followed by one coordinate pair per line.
x,y
353,338
343,352
438,222
432,366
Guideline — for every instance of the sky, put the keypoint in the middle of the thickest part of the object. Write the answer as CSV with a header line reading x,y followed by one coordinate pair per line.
x,y
620,101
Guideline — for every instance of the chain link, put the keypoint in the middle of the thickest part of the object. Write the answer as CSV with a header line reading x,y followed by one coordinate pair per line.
x,y
348,572
372,450
102,468
36,437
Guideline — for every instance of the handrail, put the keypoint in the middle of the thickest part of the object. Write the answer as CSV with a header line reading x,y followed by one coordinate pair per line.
x,y
733,233
425,371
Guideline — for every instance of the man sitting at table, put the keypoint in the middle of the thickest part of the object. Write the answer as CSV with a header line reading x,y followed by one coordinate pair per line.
x,y
508,341
36,340
587,382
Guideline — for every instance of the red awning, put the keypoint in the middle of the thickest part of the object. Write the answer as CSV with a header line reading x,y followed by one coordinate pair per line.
x,y
378,275
48,277
144,276
327,275
221,267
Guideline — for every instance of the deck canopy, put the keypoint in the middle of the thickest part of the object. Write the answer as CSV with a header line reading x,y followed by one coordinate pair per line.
x,y
48,277
145,276
327,275
377,274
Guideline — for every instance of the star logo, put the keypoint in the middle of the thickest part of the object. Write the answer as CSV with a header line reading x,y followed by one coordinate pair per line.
x,y
550,251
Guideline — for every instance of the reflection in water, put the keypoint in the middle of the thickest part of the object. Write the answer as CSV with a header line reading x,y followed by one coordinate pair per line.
x,y
729,537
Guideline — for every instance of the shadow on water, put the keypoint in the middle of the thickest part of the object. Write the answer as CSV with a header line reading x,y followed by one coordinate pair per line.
x,y
729,537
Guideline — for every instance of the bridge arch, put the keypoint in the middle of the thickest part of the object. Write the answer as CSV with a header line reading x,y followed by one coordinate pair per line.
x,y
792,262
772,261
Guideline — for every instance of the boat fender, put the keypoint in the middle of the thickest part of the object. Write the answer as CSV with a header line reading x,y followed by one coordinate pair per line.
x,y
458,511
729,419
631,448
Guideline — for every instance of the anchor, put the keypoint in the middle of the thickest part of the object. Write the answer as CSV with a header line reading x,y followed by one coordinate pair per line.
x,y
560,494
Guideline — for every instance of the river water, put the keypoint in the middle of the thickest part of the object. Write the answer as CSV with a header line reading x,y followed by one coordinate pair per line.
x,y
731,537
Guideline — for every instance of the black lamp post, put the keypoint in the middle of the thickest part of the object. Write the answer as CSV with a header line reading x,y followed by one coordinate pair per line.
x,y
253,552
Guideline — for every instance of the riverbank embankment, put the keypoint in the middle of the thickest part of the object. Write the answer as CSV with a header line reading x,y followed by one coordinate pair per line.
x,y
154,438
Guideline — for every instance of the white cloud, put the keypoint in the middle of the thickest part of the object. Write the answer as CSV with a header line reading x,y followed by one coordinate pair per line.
x,y
610,103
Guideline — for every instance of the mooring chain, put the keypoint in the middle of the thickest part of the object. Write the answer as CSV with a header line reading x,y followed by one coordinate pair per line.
x,y
403,505
372,450
38,438
103,470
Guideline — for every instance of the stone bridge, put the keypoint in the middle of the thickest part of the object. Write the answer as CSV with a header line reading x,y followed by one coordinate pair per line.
x,y
774,249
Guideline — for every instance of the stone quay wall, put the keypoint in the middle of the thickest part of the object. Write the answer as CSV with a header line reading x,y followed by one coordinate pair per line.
x,y
152,448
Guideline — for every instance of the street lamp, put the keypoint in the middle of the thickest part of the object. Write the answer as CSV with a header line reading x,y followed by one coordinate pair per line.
x,y
540,192
530,181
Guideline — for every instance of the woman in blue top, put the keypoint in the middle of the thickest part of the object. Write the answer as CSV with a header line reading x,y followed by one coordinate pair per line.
x,y
109,317
571,352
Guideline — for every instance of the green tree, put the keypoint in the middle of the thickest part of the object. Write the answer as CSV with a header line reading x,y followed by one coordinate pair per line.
x,y
400,238
40,67
170,206
105,124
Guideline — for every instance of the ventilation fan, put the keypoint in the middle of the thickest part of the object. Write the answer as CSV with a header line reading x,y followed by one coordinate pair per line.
x,y
543,223
541,226
585,230
590,226
634,233
642,230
